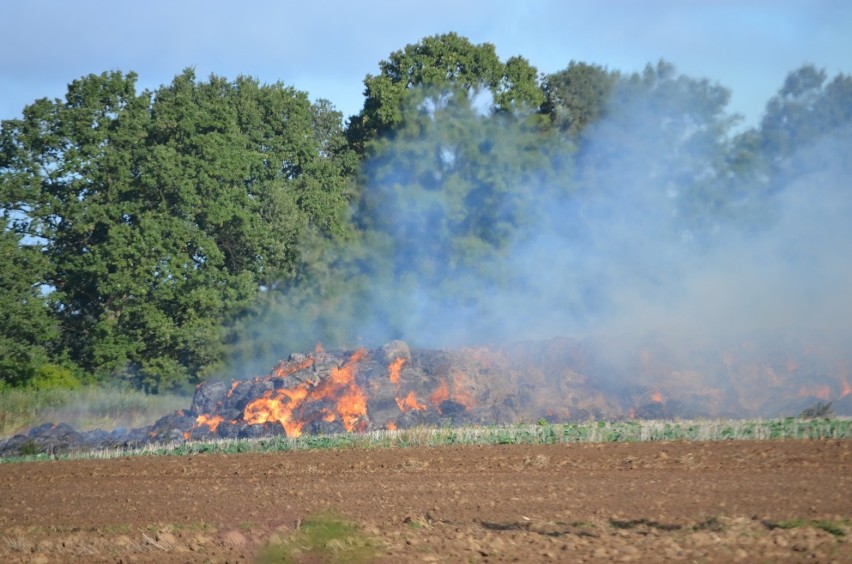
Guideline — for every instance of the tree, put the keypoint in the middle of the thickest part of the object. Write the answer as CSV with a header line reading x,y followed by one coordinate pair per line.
x,y
662,147
577,96
444,197
804,131
28,333
806,108
165,214
435,62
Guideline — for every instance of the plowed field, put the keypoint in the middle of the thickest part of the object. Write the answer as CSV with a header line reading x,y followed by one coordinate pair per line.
x,y
706,502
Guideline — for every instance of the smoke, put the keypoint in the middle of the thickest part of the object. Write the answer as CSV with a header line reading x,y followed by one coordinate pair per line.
x,y
484,230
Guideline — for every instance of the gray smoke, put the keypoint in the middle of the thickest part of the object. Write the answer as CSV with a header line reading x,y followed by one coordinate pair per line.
x,y
640,232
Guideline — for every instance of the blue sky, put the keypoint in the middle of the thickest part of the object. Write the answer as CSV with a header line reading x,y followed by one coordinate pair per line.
x,y
327,47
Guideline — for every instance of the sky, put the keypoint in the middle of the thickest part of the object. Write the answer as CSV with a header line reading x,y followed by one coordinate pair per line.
x,y
327,47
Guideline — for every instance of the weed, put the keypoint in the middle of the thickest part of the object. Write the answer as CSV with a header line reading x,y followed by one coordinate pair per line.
x,y
821,409
325,538
29,448
831,527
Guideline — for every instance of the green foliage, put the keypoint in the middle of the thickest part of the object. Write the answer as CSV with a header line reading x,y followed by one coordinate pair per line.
x,y
590,432
28,333
28,448
150,236
807,107
164,215
52,377
446,198
835,528
324,538
439,62
662,149
577,96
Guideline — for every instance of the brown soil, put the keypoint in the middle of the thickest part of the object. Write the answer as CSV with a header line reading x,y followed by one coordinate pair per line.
x,y
706,502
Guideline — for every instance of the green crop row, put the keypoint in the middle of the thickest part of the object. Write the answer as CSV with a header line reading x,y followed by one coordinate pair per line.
x,y
542,433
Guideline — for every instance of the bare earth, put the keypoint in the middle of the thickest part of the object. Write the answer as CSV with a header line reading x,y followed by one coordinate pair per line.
x,y
704,502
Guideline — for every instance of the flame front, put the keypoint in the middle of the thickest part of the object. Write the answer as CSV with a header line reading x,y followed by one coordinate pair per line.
x,y
409,402
287,406
352,405
460,394
211,421
394,370
440,395
278,406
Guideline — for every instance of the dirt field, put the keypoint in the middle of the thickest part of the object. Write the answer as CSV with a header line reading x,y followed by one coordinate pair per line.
x,y
705,502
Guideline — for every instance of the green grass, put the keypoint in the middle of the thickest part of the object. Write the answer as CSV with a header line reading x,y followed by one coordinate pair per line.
x,y
84,408
589,432
325,538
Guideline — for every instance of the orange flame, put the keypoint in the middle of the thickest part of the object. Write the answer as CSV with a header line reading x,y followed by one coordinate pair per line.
x,y
274,409
352,405
847,389
394,369
459,394
284,406
821,392
283,369
390,426
657,397
409,402
211,421
440,395
319,348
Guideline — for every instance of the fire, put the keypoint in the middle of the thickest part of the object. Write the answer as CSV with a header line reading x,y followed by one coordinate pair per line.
x,y
282,369
352,405
391,426
847,389
657,397
459,394
440,395
821,392
394,369
211,421
234,385
271,407
287,405
409,402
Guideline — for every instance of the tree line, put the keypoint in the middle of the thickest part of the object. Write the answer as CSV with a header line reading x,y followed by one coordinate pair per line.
x,y
149,237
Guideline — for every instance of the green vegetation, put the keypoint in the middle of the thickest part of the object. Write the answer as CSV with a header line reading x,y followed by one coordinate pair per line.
x,y
590,432
836,528
155,238
324,538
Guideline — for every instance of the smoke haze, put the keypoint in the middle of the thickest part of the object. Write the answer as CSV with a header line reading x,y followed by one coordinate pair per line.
x,y
637,234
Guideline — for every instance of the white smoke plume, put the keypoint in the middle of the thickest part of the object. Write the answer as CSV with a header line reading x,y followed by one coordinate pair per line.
x,y
642,234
